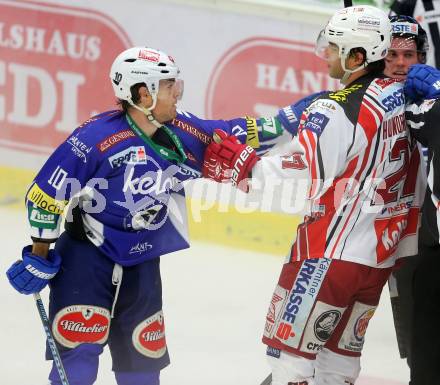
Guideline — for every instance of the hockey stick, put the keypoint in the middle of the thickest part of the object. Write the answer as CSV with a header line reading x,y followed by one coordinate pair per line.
x,y
50,340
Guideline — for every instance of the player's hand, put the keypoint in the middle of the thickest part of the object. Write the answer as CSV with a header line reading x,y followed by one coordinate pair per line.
x,y
33,273
228,160
290,116
422,82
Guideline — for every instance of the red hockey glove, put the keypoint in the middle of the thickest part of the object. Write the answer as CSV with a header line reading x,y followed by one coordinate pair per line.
x,y
226,159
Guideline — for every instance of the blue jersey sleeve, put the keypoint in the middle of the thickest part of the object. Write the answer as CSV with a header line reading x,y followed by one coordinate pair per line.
x,y
260,133
195,133
63,175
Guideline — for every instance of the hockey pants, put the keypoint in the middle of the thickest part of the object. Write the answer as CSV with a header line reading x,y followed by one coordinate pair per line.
x,y
81,366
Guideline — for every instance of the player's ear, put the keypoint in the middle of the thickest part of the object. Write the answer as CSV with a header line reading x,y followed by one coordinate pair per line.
x,y
355,58
145,98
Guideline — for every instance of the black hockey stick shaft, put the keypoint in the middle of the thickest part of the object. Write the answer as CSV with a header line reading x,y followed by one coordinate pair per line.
x,y
50,340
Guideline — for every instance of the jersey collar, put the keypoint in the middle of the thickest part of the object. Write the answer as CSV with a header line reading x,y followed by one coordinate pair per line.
x,y
162,151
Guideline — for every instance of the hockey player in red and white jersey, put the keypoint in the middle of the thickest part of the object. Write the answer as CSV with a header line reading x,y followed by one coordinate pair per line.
x,y
409,46
362,166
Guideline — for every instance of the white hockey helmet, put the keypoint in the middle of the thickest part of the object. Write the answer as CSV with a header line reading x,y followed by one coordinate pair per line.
x,y
141,65
360,26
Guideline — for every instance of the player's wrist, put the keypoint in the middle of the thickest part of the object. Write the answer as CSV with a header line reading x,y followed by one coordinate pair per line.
x,y
40,249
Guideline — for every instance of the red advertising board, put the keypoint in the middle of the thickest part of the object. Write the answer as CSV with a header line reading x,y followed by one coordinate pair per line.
x,y
259,75
54,71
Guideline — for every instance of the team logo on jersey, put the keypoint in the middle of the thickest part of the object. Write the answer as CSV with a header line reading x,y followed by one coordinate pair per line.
x,y
78,324
325,324
149,336
131,155
316,122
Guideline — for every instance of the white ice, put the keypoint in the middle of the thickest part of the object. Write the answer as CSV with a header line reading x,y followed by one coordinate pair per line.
x,y
215,301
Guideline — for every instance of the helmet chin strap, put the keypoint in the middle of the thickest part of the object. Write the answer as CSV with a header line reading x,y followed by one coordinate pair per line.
x,y
148,112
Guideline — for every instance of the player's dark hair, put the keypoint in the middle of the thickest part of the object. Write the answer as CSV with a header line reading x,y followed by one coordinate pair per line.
x,y
124,105
373,67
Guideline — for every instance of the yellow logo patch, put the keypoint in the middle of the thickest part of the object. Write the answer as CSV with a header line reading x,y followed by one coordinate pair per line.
x,y
252,132
341,96
37,196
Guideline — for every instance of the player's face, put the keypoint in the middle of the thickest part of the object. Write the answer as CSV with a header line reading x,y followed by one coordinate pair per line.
x,y
331,55
170,91
402,55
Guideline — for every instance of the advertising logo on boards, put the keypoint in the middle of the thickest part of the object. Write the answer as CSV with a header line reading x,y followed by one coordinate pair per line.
x,y
53,71
258,76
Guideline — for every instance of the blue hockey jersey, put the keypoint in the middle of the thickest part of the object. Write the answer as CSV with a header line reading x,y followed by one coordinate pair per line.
x,y
128,187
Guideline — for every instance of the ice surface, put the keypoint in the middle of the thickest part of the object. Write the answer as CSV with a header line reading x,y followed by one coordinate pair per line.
x,y
215,301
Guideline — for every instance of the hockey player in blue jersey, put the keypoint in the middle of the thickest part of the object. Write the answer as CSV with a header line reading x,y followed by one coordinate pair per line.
x,y
122,173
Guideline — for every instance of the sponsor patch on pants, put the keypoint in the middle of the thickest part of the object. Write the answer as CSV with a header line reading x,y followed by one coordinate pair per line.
x,y
274,312
320,326
354,334
78,324
149,336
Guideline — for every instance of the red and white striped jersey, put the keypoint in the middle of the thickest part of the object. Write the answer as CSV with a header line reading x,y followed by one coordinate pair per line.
x,y
363,168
